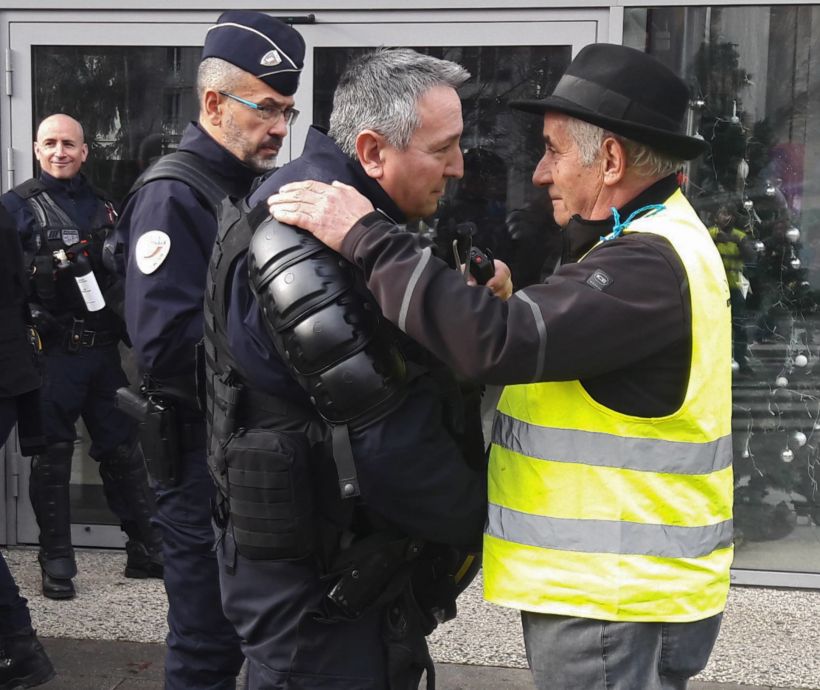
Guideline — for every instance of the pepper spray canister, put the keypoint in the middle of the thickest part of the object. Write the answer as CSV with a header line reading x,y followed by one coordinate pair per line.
x,y
85,279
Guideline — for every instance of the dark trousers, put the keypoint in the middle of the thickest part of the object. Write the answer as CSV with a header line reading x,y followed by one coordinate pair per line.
x,y
84,383
279,609
585,654
203,648
14,614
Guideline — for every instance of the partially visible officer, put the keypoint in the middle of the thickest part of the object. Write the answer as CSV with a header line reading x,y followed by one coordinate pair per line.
x,y
249,72
610,500
23,661
62,222
317,585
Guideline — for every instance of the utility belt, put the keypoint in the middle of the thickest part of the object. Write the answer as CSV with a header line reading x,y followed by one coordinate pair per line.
x,y
167,429
77,336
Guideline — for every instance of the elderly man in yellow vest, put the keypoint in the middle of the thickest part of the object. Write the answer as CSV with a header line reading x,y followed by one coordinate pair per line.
x,y
610,487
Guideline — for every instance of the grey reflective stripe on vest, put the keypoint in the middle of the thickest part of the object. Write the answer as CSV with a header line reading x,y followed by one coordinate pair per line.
x,y
605,450
607,536
424,259
541,327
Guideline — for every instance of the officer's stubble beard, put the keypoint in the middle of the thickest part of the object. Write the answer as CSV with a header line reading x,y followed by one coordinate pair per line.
x,y
235,140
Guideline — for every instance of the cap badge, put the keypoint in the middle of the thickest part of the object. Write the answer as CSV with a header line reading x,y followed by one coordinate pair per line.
x,y
270,59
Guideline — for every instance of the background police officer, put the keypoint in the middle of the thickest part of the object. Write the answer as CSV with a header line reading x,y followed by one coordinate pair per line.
x,y
22,658
62,221
318,586
247,77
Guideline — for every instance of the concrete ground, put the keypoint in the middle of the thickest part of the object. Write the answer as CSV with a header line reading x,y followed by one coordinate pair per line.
x,y
111,635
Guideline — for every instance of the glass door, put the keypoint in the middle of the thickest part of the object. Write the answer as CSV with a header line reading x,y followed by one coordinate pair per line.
x,y
131,82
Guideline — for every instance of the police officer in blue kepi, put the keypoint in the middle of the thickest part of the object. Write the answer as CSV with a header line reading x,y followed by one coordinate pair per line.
x,y
350,462
62,222
246,81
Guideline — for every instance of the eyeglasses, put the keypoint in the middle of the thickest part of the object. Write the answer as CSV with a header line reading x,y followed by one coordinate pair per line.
x,y
269,113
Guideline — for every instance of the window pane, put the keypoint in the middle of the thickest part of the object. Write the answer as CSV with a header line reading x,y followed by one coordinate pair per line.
x,y
133,103
757,99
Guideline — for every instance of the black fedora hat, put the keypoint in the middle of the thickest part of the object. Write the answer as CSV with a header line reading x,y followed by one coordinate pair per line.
x,y
627,92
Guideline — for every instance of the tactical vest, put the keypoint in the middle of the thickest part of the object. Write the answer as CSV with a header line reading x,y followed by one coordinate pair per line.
x,y
56,290
333,341
598,514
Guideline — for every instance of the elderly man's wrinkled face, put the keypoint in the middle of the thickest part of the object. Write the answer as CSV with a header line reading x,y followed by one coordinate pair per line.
x,y
415,177
60,148
572,187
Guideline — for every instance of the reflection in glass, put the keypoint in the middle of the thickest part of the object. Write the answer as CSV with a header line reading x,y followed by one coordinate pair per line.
x,y
756,102
495,205
132,101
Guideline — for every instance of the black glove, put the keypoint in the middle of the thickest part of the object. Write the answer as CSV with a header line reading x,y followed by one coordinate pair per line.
x,y
43,321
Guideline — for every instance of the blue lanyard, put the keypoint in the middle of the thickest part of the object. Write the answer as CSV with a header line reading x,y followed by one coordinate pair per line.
x,y
618,226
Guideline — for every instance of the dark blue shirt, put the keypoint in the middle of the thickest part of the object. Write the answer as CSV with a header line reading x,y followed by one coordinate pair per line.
x,y
163,308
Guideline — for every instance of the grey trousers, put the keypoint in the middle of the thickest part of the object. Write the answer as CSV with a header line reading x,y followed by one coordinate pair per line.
x,y
584,654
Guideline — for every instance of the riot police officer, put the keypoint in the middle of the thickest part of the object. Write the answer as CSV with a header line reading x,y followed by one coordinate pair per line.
x,y
249,71
62,222
23,661
351,485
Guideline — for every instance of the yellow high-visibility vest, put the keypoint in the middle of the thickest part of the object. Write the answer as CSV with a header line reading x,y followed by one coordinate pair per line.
x,y
598,514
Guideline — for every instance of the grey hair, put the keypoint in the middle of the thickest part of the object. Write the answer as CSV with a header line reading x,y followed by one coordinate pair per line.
x,y
380,91
218,75
645,160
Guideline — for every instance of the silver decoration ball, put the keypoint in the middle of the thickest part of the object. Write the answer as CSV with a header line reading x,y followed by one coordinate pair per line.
x,y
743,167
748,204
735,365
787,455
792,234
799,439
759,246
781,382
745,454
795,263
801,361
770,190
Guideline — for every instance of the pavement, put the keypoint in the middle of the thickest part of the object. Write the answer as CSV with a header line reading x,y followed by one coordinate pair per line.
x,y
110,636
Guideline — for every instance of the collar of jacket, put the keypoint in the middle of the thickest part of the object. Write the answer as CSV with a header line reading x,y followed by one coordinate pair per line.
x,y
320,147
72,186
234,176
581,235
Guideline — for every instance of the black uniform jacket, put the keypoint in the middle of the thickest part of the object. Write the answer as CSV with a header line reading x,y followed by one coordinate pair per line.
x,y
410,469
629,343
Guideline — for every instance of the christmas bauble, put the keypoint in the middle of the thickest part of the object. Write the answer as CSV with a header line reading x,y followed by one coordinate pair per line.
x,y
787,455
781,382
799,439
735,365
801,361
795,263
792,234
748,204
759,246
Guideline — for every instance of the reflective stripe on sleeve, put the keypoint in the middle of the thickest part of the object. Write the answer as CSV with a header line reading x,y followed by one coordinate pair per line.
x,y
424,259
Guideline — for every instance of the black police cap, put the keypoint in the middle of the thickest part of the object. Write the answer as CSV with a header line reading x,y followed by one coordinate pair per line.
x,y
259,44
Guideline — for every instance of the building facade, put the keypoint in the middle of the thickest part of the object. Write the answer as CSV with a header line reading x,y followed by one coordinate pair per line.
x,y
126,70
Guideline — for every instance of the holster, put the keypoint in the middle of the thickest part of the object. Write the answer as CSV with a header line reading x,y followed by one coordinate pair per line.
x,y
371,572
158,433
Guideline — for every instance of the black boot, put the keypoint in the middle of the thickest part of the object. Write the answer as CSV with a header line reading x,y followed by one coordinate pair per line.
x,y
126,486
141,562
57,574
23,661
49,493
